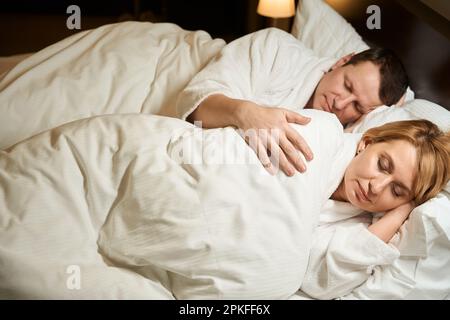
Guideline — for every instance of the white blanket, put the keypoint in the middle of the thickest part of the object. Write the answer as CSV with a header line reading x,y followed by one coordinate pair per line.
x,y
127,67
201,230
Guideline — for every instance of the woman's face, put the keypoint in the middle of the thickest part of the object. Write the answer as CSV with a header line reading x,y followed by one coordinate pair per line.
x,y
381,176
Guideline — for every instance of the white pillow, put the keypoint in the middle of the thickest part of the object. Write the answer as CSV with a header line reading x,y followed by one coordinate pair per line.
x,y
327,33
424,244
432,273
411,110
324,30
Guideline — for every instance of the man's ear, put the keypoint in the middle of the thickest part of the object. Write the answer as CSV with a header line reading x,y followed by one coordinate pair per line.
x,y
342,61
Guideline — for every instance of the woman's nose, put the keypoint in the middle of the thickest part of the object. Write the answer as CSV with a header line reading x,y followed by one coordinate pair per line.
x,y
377,184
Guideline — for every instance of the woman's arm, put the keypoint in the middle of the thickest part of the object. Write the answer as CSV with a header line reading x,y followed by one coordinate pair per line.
x,y
387,226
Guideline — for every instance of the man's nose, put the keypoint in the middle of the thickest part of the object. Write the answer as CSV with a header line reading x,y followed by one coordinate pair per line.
x,y
378,184
342,102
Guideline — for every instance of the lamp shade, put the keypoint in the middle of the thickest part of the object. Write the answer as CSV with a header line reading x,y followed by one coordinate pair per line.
x,y
276,8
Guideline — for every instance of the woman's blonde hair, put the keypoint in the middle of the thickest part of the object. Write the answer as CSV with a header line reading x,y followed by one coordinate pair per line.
x,y
433,153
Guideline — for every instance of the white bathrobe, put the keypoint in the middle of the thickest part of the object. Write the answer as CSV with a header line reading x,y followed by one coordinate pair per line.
x,y
269,67
344,252
348,262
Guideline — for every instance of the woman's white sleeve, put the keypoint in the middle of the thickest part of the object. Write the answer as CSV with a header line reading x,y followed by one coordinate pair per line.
x,y
391,282
343,258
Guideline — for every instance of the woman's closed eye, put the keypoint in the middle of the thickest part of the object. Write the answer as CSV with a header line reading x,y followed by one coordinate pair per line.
x,y
383,164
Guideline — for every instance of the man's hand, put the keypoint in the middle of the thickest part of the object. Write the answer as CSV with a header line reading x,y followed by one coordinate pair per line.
x,y
267,131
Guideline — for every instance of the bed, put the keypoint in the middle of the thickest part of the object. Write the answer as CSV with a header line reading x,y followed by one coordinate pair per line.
x,y
50,268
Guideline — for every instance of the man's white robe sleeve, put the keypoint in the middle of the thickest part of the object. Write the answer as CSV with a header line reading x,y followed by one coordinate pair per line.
x,y
268,67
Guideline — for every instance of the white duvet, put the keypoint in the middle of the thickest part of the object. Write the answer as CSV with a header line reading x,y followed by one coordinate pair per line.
x,y
129,67
198,229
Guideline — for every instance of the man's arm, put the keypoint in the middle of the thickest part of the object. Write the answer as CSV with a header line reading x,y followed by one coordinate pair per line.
x,y
246,69
218,111
266,128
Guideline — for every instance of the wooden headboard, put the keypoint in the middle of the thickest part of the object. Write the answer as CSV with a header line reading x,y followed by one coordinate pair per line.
x,y
418,34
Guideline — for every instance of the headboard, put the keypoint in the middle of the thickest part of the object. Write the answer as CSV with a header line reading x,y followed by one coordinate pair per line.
x,y
418,34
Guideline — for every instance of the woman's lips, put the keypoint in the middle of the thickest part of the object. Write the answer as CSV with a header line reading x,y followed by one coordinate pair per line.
x,y
361,194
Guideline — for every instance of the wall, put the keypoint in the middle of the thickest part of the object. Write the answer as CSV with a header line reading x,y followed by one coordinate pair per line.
x,y
418,35
30,25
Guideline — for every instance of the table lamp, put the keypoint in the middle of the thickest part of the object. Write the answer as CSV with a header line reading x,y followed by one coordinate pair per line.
x,y
276,9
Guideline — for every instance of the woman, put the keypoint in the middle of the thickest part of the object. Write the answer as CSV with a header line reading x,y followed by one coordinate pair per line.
x,y
398,166
241,233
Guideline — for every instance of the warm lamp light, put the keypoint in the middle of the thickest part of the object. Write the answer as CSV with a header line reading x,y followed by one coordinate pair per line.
x,y
276,8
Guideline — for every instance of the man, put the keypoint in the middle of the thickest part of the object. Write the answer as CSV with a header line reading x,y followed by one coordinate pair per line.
x,y
272,68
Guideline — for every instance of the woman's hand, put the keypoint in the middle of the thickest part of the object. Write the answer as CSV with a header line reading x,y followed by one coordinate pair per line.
x,y
401,213
388,225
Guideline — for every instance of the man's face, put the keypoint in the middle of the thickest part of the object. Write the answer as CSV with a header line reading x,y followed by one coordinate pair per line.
x,y
348,91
